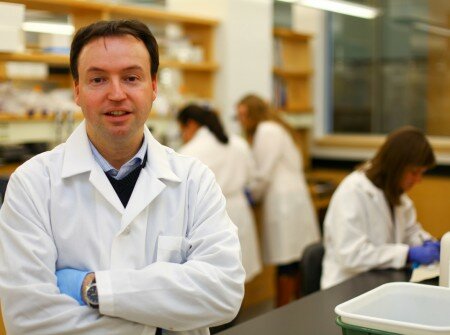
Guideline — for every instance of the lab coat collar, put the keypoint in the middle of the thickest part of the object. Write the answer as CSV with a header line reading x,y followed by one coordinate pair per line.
x,y
157,160
377,193
367,185
79,158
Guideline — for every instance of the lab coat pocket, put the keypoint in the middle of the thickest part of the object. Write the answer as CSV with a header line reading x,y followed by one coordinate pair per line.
x,y
171,249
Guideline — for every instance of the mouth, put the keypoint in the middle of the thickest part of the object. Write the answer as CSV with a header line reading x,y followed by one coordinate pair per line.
x,y
117,113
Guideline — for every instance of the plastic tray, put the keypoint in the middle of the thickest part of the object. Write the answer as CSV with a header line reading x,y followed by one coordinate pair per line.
x,y
402,308
356,330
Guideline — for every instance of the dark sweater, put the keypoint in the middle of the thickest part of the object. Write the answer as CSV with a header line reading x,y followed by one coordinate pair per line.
x,y
125,186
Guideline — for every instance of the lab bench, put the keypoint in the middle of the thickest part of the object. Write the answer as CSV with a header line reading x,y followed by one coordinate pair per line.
x,y
314,314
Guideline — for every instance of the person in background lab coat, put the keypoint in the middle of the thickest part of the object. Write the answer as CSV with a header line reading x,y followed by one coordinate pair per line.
x,y
111,232
371,223
289,220
230,158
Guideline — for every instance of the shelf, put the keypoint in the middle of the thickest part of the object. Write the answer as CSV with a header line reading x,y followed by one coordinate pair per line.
x,y
6,118
289,34
206,67
295,109
291,73
157,15
63,60
106,9
35,57
25,118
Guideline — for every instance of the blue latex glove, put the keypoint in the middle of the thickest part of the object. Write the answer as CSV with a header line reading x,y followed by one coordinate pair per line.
x,y
433,243
424,254
70,281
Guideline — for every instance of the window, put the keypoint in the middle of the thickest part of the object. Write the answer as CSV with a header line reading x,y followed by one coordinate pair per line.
x,y
392,70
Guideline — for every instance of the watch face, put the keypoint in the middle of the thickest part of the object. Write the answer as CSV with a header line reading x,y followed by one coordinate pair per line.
x,y
92,295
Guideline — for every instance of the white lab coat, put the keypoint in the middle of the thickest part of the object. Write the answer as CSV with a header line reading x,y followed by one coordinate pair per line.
x,y
233,167
359,234
171,258
289,219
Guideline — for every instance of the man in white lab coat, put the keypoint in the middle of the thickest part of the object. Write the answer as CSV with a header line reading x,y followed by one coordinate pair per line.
x,y
110,232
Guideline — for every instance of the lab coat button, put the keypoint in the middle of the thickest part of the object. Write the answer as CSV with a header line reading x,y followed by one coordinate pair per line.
x,y
127,230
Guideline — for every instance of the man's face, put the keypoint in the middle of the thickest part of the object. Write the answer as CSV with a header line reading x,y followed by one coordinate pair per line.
x,y
115,89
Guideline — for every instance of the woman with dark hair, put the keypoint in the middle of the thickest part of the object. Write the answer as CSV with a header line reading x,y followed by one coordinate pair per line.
x,y
371,222
289,220
231,161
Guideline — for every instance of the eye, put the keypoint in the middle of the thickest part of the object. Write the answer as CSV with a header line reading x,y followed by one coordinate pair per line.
x,y
97,80
132,79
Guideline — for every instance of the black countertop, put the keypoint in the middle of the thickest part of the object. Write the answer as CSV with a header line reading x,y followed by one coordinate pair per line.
x,y
314,314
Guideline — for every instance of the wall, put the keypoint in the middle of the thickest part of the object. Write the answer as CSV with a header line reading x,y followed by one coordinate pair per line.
x,y
243,48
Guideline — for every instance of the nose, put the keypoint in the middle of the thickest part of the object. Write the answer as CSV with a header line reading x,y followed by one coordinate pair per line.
x,y
116,91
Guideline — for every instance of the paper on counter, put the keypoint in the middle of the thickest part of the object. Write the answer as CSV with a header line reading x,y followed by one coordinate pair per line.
x,y
424,272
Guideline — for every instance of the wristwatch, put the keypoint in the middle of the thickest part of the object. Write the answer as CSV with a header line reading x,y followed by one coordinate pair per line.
x,y
91,295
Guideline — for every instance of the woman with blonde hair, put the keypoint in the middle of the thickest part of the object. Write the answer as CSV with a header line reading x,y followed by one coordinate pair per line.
x,y
289,220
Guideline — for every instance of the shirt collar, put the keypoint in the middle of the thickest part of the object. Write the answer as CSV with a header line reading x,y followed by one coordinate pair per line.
x,y
126,168
78,157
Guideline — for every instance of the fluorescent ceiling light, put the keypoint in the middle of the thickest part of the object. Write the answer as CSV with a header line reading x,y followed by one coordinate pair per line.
x,y
431,29
50,28
342,7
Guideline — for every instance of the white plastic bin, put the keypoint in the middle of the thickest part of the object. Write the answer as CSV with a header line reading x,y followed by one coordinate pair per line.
x,y
404,308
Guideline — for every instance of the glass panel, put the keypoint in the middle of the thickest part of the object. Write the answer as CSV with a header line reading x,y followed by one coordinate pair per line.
x,y
392,70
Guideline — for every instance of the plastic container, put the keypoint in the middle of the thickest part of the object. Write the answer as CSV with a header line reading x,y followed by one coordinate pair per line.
x,y
356,330
401,308
444,260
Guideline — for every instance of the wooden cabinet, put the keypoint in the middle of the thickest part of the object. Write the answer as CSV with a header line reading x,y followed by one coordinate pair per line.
x,y
292,71
292,84
196,76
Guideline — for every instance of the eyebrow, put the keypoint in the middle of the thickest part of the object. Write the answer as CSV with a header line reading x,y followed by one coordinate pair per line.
x,y
97,69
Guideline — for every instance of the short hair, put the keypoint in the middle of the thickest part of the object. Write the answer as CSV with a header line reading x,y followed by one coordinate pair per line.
x,y
100,29
203,117
403,148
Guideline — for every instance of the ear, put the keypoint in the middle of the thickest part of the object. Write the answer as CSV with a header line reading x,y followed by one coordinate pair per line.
x,y
76,91
154,87
192,125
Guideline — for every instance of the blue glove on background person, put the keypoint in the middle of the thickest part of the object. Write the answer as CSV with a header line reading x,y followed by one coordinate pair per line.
x,y
424,254
433,243
69,282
